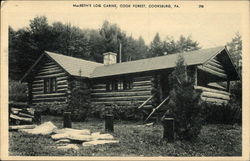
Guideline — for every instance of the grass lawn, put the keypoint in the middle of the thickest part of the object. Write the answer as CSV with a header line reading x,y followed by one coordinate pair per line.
x,y
135,140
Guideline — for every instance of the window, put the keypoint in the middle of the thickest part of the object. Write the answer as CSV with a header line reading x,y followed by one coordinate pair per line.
x,y
50,85
119,85
127,84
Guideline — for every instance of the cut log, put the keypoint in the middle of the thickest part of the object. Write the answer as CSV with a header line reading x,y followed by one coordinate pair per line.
x,y
75,131
99,142
62,141
20,118
17,127
25,115
98,136
43,129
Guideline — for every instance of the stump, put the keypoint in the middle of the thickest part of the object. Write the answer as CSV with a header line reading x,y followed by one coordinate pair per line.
x,y
67,120
37,117
168,133
109,124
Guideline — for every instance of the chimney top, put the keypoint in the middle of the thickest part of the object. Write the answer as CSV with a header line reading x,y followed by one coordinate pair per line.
x,y
109,58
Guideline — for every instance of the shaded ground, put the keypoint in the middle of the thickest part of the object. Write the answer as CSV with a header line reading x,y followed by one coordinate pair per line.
x,y
135,140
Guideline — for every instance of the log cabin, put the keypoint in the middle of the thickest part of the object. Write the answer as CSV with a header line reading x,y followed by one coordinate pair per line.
x,y
136,84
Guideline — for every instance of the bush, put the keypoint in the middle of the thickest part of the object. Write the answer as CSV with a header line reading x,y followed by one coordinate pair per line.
x,y
52,108
17,91
119,112
223,114
79,104
184,104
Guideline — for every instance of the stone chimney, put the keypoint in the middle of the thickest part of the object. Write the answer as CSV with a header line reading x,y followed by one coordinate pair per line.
x,y
109,58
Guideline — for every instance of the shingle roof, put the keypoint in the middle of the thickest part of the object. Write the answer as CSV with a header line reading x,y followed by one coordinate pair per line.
x,y
74,65
156,63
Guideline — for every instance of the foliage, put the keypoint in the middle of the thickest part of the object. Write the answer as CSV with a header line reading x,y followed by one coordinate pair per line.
x,y
79,104
119,112
184,103
235,51
170,46
27,44
230,113
134,140
51,108
17,91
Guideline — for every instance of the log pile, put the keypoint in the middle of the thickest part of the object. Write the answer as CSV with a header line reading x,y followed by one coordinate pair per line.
x,y
68,138
20,116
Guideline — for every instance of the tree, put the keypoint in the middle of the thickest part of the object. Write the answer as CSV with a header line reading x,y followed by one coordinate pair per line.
x,y
170,46
184,104
235,51
186,44
156,46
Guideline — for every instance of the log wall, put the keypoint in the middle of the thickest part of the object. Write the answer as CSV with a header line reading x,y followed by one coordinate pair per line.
x,y
47,70
141,91
214,96
214,67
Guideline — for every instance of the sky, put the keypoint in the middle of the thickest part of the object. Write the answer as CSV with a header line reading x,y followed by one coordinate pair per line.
x,y
210,28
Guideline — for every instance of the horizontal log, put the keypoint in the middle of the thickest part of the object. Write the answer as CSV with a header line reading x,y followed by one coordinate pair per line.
x,y
222,75
217,87
215,68
147,88
214,100
142,83
50,72
60,86
142,87
16,127
25,115
62,78
37,85
215,60
20,118
49,66
48,95
38,81
61,81
128,98
37,92
211,90
51,75
37,88
215,95
121,93
215,64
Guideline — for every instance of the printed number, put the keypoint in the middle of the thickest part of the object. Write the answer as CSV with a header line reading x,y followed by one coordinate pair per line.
x,y
201,6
